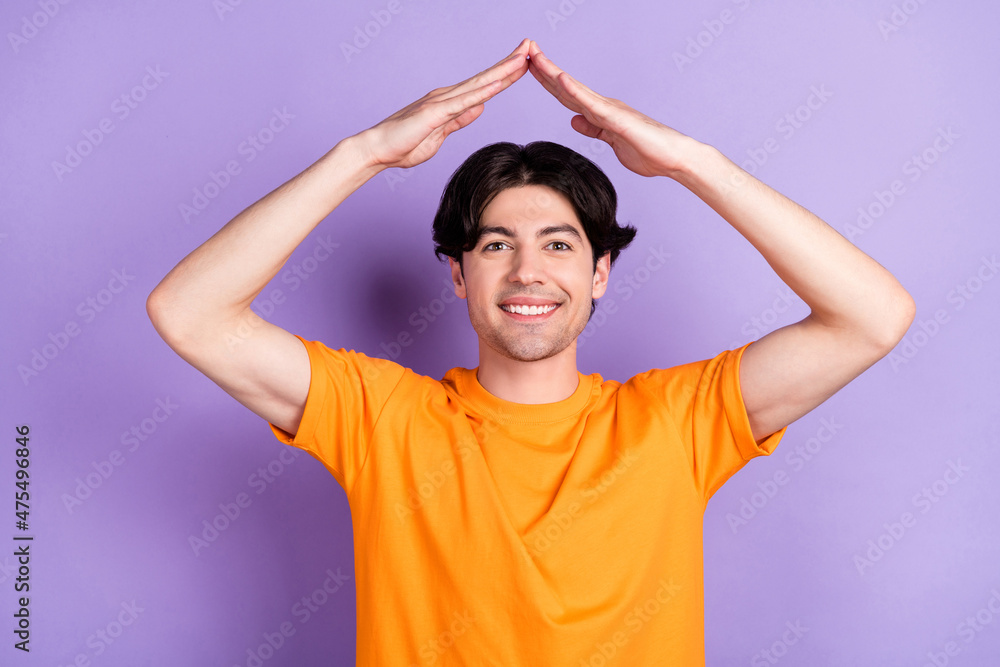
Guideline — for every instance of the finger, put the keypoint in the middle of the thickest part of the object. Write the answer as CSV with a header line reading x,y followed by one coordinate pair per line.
x,y
544,67
551,73
508,70
520,70
521,51
584,126
570,92
507,73
547,74
454,107
523,47
465,116
494,84
463,119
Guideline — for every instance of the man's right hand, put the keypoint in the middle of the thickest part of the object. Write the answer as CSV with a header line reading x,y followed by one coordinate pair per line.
x,y
413,135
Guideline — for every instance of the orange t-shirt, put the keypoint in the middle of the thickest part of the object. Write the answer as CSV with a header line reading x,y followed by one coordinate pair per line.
x,y
488,532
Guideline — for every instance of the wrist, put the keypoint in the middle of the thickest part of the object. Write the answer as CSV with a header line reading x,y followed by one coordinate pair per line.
x,y
356,149
691,161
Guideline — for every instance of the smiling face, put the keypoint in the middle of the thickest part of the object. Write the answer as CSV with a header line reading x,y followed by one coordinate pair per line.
x,y
533,251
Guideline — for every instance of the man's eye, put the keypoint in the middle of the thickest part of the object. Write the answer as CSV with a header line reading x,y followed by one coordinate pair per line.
x,y
563,244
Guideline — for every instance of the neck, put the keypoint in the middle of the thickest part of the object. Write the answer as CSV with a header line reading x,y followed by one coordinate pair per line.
x,y
530,382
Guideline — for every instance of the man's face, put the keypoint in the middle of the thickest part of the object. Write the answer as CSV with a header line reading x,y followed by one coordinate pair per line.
x,y
533,249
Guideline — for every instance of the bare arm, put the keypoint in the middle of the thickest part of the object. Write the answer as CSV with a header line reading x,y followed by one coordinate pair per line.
x,y
859,310
202,307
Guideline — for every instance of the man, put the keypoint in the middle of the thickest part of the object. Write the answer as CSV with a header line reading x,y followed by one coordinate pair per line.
x,y
522,513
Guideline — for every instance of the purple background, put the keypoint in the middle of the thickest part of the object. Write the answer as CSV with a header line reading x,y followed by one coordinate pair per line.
x,y
896,429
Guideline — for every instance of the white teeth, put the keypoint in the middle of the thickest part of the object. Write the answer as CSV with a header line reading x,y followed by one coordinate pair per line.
x,y
529,310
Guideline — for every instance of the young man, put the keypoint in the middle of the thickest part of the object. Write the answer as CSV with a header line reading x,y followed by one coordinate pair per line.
x,y
522,513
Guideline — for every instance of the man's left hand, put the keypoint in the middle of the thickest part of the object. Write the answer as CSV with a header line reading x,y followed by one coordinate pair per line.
x,y
643,145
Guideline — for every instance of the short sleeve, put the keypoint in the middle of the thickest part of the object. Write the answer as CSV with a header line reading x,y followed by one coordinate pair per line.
x,y
704,401
347,393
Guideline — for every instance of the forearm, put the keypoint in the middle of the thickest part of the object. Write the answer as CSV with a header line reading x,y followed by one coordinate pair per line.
x,y
844,287
217,281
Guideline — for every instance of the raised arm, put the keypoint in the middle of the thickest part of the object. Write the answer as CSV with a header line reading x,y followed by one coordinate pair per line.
x,y
859,311
202,307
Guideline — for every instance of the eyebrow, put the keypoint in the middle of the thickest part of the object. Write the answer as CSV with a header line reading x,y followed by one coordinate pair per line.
x,y
544,231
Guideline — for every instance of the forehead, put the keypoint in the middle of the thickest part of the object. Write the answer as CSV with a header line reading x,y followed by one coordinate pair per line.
x,y
530,204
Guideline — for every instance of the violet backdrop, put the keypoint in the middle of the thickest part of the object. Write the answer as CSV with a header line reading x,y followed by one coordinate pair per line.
x,y
120,120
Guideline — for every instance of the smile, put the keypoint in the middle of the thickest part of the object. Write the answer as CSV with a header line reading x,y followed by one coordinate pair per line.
x,y
529,313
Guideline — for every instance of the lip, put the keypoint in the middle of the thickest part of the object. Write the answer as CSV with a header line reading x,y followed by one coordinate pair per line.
x,y
529,318
528,301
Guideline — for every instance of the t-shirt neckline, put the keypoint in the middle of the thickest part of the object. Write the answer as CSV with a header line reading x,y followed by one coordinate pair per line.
x,y
505,411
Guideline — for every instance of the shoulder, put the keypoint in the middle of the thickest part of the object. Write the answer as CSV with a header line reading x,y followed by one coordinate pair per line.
x,y
681,382
352,365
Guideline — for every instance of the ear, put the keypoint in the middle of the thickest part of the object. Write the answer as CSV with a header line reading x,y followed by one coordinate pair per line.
x,y
456,278
601,274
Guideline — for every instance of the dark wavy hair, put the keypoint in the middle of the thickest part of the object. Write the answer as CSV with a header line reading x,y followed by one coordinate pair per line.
x,y
497,167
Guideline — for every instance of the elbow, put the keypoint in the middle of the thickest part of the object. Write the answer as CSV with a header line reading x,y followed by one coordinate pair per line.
x,y
185,325
153,306
162,312
156,309
898,316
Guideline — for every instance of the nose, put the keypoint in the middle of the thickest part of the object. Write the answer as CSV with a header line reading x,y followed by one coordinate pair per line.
x,y
527,266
